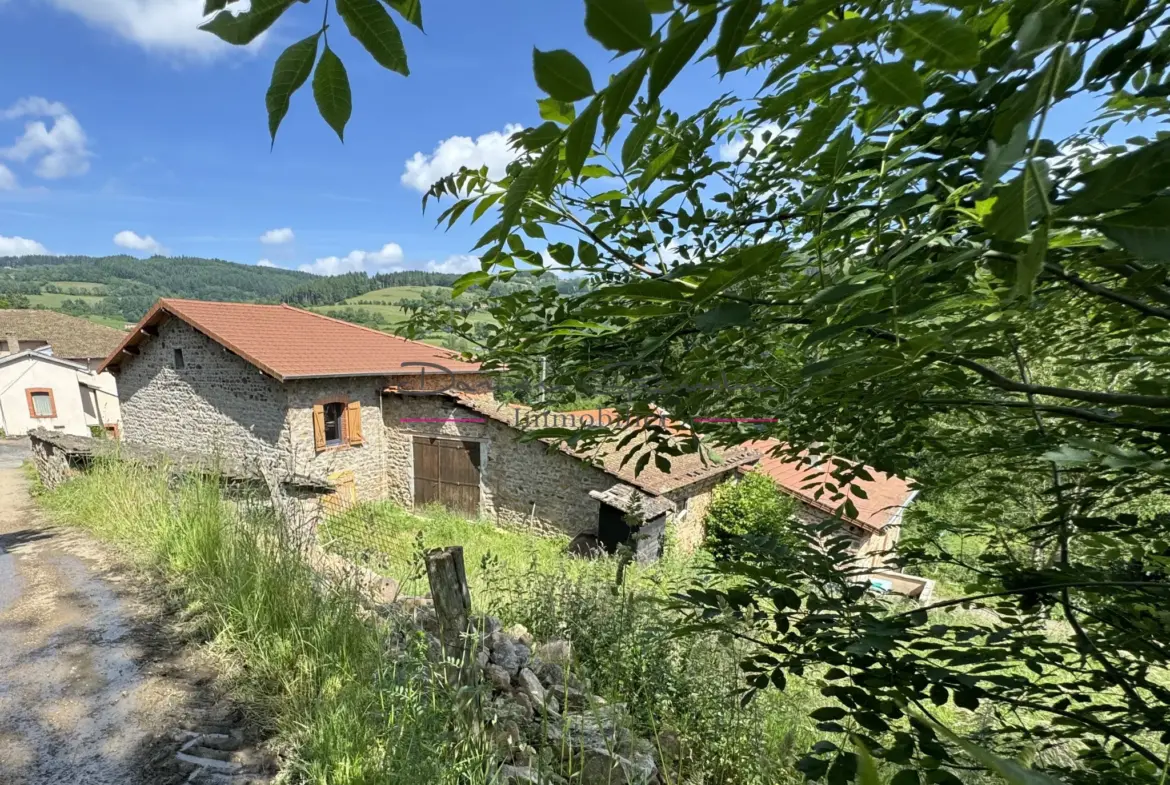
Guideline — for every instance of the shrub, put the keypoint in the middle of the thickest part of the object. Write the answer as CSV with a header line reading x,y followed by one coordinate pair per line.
x,y
753,508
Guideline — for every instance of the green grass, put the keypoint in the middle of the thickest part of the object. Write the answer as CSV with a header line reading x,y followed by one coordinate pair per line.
x,y
54,300
622,634
394,294
306,659
117,322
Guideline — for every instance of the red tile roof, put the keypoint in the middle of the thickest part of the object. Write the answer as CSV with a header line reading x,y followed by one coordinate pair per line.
x,y
887,495
291,343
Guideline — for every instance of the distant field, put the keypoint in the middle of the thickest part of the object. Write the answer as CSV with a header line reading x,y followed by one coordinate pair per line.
x,y
109,321
93,287
394,294
55,300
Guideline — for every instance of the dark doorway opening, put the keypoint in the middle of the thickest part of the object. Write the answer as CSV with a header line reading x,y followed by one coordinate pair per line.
x,y
612,528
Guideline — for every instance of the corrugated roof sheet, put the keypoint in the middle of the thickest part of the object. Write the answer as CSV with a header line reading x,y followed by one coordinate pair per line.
x,y
886,496
69,336
291,343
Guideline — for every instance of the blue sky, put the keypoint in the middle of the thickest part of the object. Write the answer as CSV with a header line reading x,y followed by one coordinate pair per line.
x,y
154,133
123,128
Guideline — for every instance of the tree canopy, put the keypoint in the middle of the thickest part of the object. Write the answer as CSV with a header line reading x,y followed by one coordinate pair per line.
x,y
930,238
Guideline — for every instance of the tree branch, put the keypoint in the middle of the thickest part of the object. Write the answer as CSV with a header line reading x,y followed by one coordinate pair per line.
x,y
1075,412
1106,293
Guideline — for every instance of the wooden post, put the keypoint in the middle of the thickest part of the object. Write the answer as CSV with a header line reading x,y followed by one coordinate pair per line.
x,y
452,598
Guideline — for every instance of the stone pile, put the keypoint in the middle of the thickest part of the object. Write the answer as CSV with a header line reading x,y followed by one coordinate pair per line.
x,y
217,753
540,714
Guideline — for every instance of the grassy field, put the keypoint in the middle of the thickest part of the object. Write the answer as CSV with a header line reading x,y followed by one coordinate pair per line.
x,y
394,294
54,300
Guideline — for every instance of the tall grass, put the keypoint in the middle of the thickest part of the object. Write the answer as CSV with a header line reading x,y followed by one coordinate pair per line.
x,y
310,664
683,688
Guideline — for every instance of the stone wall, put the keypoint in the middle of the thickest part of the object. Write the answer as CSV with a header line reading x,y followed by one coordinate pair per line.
x,y
689,522
366,461
217,404
523,484
52,463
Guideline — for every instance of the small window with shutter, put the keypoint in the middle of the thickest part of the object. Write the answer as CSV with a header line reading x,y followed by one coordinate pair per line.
x,y
337,423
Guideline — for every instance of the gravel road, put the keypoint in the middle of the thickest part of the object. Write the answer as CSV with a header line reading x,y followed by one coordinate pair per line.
x,y
91,689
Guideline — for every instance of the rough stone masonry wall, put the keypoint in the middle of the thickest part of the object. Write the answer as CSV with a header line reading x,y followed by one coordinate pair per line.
x,y
365,461
523,484
217,404
689,525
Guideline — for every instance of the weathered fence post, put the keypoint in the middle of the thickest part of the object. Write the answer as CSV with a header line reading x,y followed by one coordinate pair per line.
x,y
452,599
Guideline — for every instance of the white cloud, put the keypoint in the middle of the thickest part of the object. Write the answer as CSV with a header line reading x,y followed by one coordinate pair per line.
x,y
490,149
277,236
60,150
21,246
136,242
390,255
265,263
459,263
7,179
730,151
170,26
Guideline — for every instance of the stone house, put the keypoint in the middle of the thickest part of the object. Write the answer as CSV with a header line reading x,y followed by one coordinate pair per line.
x,y
380,417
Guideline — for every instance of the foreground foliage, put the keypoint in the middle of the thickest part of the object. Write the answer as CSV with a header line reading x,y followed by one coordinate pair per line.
x,y
928,237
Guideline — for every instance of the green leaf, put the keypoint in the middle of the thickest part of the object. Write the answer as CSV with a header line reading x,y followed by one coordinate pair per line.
x,y
905,777
677,50
801,18
521,185
1015,773
1031,264
636,139
331,91
810,85
741,264
560,112
579,140
737,22
1122,181
618,25
560,74
867,772
656,167
211,6
291,70
894,84
828,713
410,10
938,39
822,122
620,94
243,28
1144,231
1018,203
724,315
372,26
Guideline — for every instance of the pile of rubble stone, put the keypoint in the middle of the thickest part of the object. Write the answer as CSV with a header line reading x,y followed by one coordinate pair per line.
x,y
545,723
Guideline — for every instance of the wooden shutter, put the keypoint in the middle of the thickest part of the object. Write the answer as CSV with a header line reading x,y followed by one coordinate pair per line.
x,y
319,426
353,423
32,406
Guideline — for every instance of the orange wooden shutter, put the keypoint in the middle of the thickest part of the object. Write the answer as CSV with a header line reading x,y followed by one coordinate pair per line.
x,y
319,426
32,407
353,424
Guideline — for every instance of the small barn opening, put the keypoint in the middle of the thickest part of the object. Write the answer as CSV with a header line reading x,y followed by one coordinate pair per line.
x,y
612,528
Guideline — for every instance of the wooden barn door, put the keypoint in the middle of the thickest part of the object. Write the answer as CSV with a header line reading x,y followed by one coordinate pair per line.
x,y
446,471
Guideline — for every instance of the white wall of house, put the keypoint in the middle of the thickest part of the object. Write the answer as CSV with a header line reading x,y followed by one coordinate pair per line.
x,y
31,371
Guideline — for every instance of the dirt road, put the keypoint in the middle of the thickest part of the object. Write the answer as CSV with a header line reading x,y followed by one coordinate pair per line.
x,y
90,687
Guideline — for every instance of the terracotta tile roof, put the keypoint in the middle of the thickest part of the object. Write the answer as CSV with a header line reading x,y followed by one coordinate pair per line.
x,y
684,469
291,343
69,336
887,495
